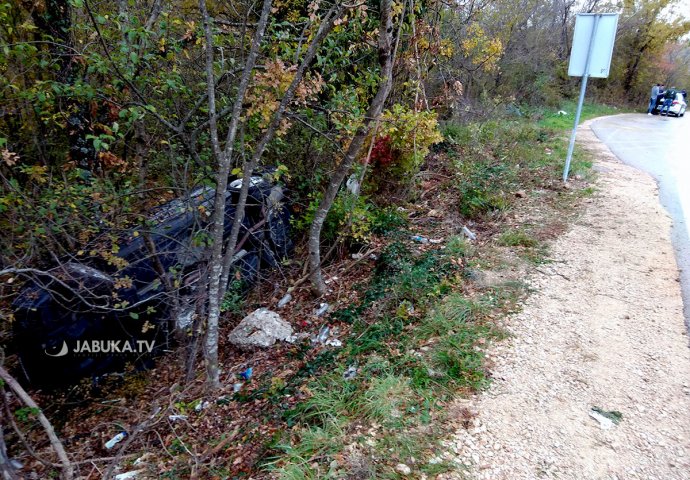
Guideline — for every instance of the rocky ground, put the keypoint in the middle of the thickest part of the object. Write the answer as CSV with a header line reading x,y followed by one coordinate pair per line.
x,y
604,329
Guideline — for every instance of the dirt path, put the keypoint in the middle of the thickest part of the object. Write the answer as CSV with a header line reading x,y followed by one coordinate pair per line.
x,y
604,328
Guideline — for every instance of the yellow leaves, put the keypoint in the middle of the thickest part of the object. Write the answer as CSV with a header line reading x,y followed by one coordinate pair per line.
x,y
270,86
397,8
482,50
123,282
411,134
446,48
37,173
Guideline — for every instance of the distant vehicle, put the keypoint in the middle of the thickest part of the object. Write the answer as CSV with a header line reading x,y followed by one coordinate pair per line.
x,y
677,108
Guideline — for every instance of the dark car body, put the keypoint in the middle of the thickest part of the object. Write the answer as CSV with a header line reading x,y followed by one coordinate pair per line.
x,y
92,300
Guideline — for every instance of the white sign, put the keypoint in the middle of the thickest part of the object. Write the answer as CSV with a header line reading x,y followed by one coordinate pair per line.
x,y
593,41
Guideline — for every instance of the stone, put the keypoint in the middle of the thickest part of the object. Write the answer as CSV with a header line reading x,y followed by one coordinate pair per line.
x,y
260,329
403,469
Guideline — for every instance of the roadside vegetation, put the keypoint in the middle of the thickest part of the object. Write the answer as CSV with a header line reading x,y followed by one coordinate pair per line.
x,y
420,150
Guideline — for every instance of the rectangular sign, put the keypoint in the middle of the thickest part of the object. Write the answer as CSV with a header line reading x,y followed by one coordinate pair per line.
x,y
595,34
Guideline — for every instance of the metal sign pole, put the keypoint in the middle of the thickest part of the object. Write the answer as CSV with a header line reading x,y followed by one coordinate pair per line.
x,y
583,88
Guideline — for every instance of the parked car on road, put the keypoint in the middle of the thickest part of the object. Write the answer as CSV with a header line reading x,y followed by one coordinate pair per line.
x,y
677,108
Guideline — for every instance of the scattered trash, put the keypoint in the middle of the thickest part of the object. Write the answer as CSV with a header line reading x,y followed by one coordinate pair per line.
x,y
323,308
177,418
606,419
604,422
350,373
323,334
419,239
115,440
201,405
357,256
436,241
247,374
403,469
352,184
285,300
237,387
614,415
128,475
261,328
141,460
562,112
334,343
405,309
468,233
16,464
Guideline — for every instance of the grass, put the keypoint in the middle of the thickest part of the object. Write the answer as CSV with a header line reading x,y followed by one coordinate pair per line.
x,y
415,336
553,120
408,364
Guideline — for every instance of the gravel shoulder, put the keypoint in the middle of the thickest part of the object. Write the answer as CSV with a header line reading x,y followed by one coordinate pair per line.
x,y
604,328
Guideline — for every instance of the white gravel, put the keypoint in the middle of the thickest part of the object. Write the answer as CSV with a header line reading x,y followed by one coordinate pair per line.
x,y
604,328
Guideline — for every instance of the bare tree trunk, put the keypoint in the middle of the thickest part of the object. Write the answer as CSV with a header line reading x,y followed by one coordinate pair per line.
x,y
67,468
220,264
386,59
6,469
248,169
224,158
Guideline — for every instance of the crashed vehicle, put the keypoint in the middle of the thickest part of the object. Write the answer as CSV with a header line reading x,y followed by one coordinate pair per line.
x,y
92,317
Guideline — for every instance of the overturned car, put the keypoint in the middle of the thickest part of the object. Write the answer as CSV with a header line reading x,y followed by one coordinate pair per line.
x,y
93,316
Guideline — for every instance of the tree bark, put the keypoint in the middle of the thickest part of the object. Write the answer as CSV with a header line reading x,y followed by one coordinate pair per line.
x,y
224,159
386,60
67,468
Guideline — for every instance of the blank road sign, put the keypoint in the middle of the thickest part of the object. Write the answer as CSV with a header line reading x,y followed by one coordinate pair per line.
x,y
602,44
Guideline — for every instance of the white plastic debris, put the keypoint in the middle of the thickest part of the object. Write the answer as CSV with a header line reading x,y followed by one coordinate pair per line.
x,y
323,334
350,373
115,440
468,233
177,418
403,469
352,184
562,112
604,423
128,475
334,343
285,300
237,387
323,308
201,405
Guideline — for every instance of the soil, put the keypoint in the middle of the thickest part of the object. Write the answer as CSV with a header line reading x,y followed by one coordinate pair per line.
x,y
604,328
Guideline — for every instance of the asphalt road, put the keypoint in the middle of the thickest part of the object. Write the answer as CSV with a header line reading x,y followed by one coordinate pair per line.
x,y
660,147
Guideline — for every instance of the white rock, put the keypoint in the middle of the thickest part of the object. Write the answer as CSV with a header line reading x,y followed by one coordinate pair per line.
x,y
403,469
261,328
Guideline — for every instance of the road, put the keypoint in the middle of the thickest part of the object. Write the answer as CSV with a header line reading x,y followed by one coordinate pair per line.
x,y
658,146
